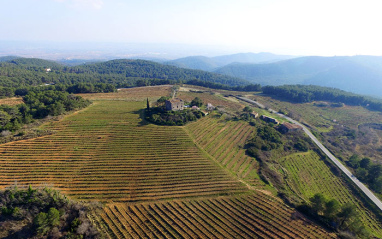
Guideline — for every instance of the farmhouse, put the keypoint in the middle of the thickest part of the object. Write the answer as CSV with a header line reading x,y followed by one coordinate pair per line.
x,y
288,127
254,114
210,107
269,119
174,104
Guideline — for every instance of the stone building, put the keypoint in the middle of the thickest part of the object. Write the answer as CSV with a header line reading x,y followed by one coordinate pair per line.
x,y
288,127
174,104
269,119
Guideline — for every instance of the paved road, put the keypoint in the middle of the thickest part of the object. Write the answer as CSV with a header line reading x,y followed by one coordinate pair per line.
x,y
360,185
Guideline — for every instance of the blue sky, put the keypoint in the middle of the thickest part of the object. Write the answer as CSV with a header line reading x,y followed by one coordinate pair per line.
x,y
301,27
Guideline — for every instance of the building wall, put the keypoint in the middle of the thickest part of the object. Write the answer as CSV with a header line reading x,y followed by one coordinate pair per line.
x,y
175,106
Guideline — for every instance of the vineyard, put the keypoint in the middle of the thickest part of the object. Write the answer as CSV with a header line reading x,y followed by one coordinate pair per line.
x,y
132,94
155,181
224,140
254,216
306,182
106,153
214,99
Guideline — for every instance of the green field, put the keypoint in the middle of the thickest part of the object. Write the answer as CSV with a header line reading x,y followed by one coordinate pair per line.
x,y
224,141
307,175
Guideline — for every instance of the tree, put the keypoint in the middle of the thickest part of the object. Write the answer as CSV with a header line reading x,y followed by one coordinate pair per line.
x,y
41,223
331,208
375,172
354,161
361,174
4,118
365,163
318,203
197,102
161,101
346,216
247,109
148,105
53,217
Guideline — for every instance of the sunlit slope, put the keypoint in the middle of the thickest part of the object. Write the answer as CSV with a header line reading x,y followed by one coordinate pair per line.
x,y
106,152
250,216
224,141
307,175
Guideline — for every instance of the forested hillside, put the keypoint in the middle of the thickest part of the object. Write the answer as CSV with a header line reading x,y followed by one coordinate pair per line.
x,y
358,74
122,73
309,93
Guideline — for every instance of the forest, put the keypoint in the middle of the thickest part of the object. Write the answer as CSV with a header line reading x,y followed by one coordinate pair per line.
x,y
309,93
43,213
23,72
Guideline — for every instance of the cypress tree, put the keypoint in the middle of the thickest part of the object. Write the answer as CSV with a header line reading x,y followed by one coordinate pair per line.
x,y
148,105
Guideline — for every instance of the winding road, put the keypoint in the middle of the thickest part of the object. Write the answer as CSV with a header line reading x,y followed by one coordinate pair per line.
x,y
346,171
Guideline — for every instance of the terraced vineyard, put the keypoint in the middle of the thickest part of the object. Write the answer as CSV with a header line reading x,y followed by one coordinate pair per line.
x,y
224,141
105,153
132,94
306,182
154,180
254,216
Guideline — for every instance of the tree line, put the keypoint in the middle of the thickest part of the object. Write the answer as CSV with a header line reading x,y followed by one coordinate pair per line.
x,y
44,213
309,93
344,218
367,171
38,104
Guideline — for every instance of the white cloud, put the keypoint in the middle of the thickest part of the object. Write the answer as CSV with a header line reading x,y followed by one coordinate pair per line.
x,y
94,4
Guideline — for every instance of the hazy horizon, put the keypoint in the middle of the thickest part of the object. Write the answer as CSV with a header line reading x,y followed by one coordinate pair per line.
x,y
175,29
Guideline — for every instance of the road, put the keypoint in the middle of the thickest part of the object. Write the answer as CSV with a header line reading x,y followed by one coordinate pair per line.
x,y
346,171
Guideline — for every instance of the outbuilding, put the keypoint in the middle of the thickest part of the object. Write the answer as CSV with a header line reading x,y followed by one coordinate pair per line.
x,y
288,127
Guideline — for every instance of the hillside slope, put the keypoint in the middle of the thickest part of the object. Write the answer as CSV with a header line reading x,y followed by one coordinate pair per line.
x,y
156,182
23,72
358,74
211,63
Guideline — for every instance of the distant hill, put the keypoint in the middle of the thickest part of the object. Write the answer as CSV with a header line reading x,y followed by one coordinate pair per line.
x,y
195,62
149,69
358,74
8,58
34,62
23,72
77,62
211,63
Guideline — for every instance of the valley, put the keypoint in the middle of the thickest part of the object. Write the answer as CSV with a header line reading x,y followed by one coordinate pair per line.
x,y
171,181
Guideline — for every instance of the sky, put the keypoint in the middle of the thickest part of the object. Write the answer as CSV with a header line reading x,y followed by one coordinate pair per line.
x,y
295,27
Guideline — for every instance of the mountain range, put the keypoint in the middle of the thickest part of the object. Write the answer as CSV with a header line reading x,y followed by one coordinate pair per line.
x,y
212,63
358,74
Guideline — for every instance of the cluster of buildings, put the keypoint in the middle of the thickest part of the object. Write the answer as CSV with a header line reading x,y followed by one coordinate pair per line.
x,y
177,104
284,127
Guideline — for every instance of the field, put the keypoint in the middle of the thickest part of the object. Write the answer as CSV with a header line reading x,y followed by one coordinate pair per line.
x,y
224,141
214,99
156,181
306,182
132,94
105,153
323,118
254,216
11,101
